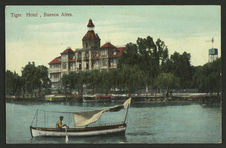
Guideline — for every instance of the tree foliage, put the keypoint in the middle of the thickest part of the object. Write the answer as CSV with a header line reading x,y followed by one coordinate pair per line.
x,y
32,80
180,66
207,78
12,83
35,78
167,81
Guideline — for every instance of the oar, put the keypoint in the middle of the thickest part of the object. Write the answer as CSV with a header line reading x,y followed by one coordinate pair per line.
x,y
66,138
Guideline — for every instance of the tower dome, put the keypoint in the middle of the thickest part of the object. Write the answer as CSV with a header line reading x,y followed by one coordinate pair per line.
x,y
91,39
90,25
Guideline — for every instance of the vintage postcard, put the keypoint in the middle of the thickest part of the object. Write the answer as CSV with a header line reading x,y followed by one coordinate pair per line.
x,y
113,74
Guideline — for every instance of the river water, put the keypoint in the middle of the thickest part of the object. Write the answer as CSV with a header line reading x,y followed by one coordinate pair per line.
x,y
153,122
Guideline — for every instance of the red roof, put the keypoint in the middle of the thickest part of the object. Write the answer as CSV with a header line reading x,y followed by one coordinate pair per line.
x,y
107,45
90,23
90,35
121,48
55,61
119,53
67,50
71,60
95,57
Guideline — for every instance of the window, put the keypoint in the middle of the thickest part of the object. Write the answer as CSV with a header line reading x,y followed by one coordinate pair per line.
x,y
86,54
96,54
87,65
64,57
115,61
115,52
104,62
103,52
95,63
79,55
72,66
64,65
56,76
54,66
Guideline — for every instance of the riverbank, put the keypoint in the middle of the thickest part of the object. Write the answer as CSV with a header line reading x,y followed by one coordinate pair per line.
x,y
120,98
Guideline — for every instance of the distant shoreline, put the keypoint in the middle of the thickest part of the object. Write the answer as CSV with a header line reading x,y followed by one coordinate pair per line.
x,y
213,98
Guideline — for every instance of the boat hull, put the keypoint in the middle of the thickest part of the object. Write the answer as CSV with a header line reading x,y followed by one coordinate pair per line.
x,y
88,131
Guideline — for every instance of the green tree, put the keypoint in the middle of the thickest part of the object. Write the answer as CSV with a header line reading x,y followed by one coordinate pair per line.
x,y
12,83
207,78
30,78
42,74
68,82
129,56
148,55
80,80
150,59
162,51
167,81
35,78
114,78
94,78
180,66
131,77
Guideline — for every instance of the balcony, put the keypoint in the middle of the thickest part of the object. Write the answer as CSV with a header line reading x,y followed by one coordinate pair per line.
x,y
79,59
55,79
103,67
54,70
72,69
113,66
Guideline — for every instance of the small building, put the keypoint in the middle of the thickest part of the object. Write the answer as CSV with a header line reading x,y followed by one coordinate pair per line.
x,y
91,57
213,54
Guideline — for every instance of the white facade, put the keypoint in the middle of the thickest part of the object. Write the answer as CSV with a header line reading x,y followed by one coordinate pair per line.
x,y
90,57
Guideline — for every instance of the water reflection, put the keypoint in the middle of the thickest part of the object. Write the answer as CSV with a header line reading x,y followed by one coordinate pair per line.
x,y
89,139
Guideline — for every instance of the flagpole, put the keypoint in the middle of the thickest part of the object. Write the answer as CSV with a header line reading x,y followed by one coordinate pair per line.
x,y
126,112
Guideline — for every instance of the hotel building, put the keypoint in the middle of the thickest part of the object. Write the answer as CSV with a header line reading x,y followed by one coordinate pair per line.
x,y
91,57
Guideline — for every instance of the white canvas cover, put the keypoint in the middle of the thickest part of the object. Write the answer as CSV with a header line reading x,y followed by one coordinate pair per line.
x,y
85,118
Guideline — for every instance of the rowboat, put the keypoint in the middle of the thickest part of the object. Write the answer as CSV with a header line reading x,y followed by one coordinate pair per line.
x,y
88,131
97,98
82,120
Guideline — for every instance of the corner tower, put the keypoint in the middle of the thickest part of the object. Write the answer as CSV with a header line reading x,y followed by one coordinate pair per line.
x,y
91,39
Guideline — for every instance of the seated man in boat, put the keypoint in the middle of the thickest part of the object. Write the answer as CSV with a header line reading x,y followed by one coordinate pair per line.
x,y
59,123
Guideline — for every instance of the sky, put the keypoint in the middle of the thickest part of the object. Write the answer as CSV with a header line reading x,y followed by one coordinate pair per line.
x,y
40,39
